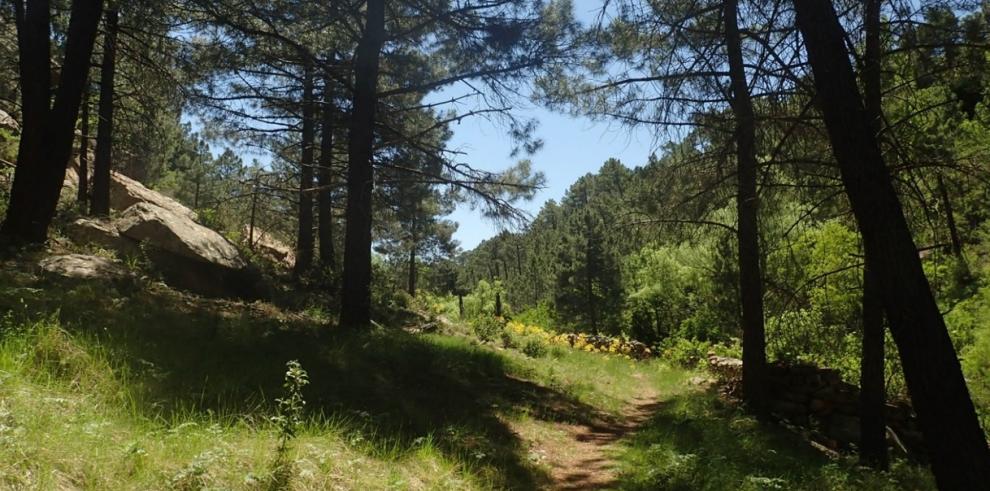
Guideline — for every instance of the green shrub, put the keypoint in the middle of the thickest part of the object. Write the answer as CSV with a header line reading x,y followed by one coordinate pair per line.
x,y
508,340
402,299
488,327
689,353
288,418
481,301
535,348
541,315
976,366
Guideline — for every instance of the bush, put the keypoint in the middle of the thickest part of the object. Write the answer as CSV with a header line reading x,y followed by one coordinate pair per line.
x,y
541,315
402,299
488,327
437,305
976,366
508,340
689,353
535,348
481,301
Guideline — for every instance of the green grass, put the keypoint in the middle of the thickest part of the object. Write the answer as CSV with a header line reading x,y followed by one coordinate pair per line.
x,y
697,442
69,419
606,383
139,387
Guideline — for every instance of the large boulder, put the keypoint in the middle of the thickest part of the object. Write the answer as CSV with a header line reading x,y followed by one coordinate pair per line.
x,y
179,235
83,267
264,244
99,232
8,122
189,255
126,192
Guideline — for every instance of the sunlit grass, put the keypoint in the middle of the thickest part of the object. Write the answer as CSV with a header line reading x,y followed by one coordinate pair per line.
x,y
606,382
69,419
697,442
102,389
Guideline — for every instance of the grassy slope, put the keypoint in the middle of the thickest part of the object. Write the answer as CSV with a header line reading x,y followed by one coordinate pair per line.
x,y
137,387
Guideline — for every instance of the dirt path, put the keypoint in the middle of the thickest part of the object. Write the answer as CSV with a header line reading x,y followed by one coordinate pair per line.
x,y
580,456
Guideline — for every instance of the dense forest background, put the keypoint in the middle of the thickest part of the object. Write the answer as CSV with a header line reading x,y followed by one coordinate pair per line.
x,y
821,198
647,250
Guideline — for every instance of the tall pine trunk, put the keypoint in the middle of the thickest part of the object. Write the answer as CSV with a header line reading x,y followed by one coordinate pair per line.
x,y
950,219
324,197
304,238
413,243
411,286
872,385
47,134
100,204
872,395
957,446
82,195
33,20
356,296
748,234
254,210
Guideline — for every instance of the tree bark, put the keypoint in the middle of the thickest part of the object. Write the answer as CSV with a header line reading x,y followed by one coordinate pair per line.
x,y
872,392
48,137
100,204
304,238
254,212
356,296
324,197
747,206
957,445
950,218
33,20
412,270
872,395
411,284
82,195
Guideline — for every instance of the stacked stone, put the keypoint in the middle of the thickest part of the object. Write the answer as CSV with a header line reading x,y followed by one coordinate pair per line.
x,y
817,400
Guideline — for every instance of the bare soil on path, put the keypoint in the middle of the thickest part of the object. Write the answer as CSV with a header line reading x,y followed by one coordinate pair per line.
x,y
580,456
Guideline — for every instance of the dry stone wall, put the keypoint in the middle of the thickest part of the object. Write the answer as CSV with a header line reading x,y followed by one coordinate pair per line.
x,y
818,401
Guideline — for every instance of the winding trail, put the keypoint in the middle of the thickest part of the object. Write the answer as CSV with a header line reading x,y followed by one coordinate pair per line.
x,y
581,456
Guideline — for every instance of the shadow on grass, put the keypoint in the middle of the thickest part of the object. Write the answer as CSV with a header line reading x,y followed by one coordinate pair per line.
x,y
189,357
695,441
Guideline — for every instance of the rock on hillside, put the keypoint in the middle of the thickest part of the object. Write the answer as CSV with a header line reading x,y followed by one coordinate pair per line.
x,y
83,267
178,235
100,232
8,122
125,192
275,250
189,255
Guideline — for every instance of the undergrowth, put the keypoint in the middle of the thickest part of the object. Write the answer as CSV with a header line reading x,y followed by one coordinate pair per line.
x,y
152,389
697,442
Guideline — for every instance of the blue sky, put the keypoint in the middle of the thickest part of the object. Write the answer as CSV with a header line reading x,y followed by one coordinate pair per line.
x,y
573,147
